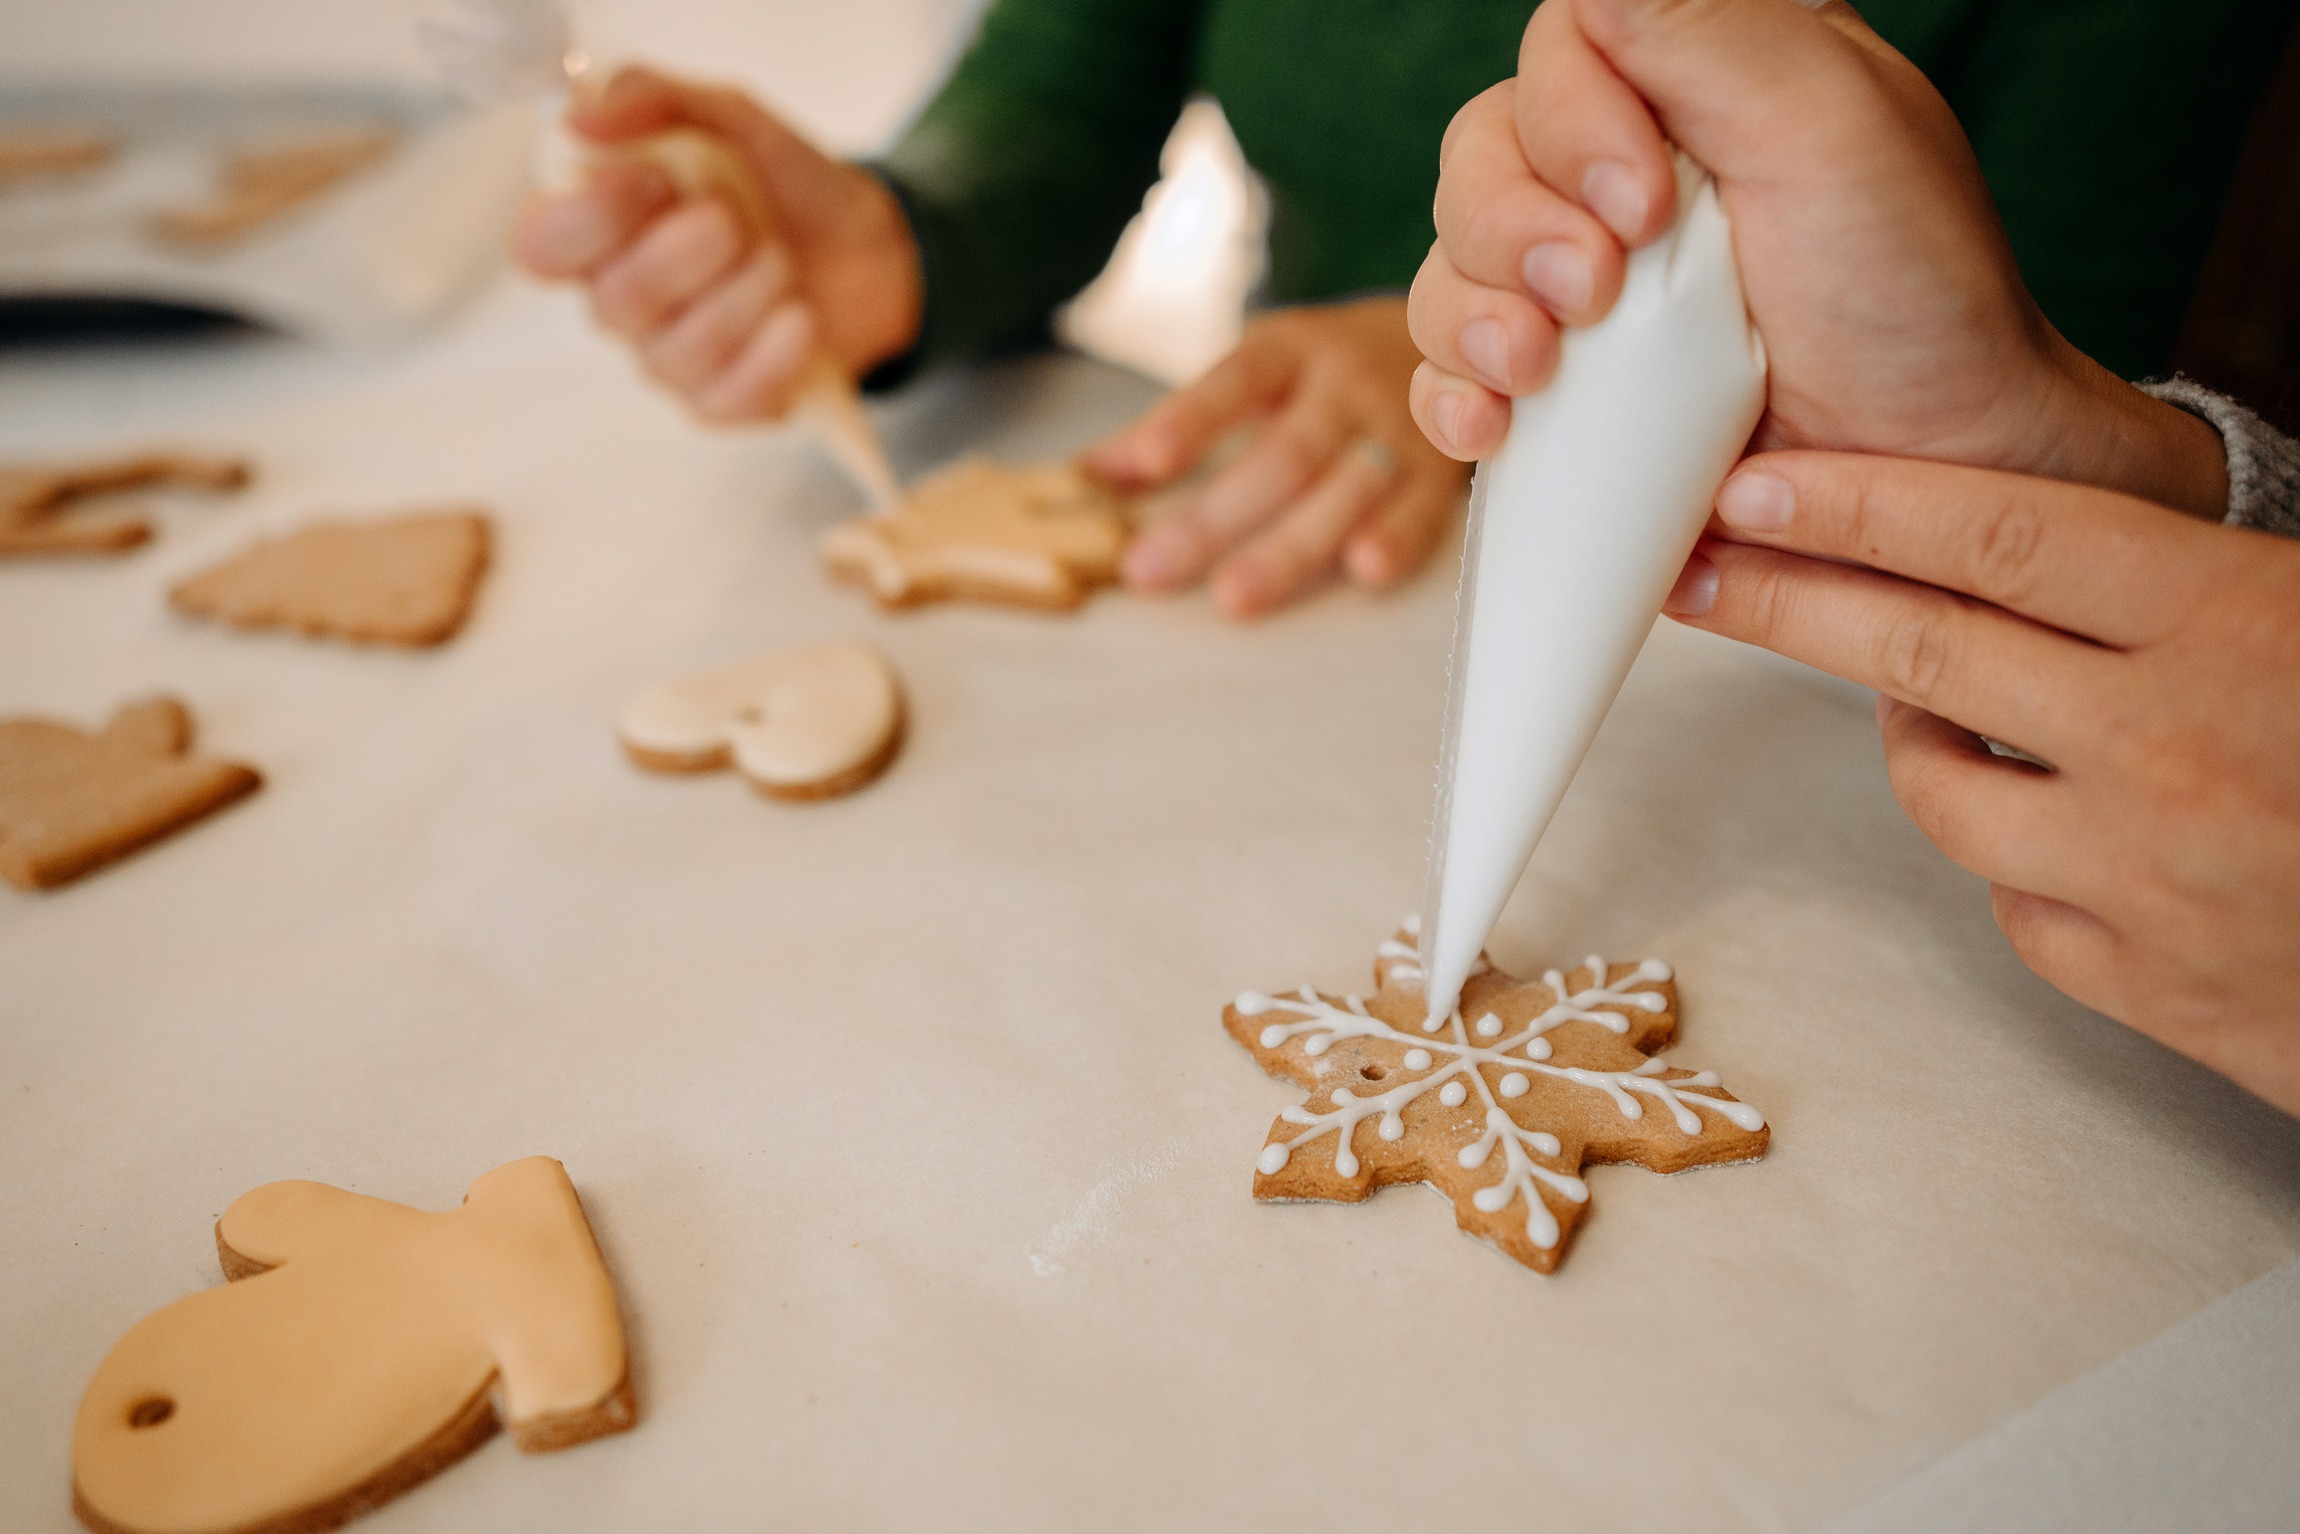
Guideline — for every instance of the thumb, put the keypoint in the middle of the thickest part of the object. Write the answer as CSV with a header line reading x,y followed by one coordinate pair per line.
x,y
1737,83
1755,90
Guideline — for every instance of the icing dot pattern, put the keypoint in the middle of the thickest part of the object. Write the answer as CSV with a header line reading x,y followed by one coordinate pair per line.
x,y
1550,1074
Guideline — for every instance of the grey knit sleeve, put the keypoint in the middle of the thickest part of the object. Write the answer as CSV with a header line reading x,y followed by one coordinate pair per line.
x,y
2263,463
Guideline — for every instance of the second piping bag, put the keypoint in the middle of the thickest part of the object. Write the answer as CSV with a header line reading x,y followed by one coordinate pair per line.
x,y
1578,527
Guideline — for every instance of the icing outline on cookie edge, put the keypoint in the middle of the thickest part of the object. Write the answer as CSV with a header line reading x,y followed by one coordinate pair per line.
x,y
1450,1061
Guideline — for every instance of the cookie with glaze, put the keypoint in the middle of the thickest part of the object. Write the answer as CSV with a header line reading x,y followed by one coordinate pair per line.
x,y
359,1347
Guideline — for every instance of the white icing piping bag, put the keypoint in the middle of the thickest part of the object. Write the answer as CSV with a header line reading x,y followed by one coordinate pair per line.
x,y
1578,526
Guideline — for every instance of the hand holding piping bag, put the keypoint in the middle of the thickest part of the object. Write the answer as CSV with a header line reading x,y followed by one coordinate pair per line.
x,y
754,275
1945,501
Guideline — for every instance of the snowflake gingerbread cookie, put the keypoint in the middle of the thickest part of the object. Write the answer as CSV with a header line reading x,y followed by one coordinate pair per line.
x,y
1553,1074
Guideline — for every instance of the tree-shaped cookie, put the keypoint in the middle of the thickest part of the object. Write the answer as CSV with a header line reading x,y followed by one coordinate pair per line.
x,y
360,1347
71,802
806,722
1499,1107
1042,536
35,497
406,580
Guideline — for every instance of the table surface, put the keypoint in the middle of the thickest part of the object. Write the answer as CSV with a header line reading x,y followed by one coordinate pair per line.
x,y
907,1121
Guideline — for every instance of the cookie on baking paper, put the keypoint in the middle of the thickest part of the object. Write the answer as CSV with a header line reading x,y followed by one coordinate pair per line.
x,y
33,151
360,1347
1499,1107
258,186
71,802
406,580
807,722
35,497
1041,536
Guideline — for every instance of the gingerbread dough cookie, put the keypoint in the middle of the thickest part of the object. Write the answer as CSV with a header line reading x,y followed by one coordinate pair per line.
x,y
29,153
71,802
361,1347
34,498
406,580
1043,536
260,185
1500,1107
808,722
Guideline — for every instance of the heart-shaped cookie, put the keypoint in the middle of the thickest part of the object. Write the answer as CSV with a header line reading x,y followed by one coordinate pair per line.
x,y
807,722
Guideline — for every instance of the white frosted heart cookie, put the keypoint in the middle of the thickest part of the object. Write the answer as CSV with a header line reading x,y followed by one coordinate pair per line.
x,y
1500,1106
359,1347
807,722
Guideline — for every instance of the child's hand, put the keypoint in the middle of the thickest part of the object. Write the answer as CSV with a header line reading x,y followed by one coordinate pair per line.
x,y
1336,477
2154,661
1894,317
722,322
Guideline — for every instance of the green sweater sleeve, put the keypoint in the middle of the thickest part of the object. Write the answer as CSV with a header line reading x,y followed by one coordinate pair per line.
x,y
1020,174
2108,131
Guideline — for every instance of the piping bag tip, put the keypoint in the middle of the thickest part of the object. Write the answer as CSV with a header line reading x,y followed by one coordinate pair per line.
x,y
1579,525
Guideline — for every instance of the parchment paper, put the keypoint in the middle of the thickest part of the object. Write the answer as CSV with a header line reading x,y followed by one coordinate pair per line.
x,y
907,1120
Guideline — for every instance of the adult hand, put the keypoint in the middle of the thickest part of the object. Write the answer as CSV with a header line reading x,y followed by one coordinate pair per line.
x,y
1336,476
2154,872
724,320
1894,317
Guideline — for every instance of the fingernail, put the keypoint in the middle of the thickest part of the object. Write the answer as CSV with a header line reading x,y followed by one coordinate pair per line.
x,y
1610,190
1240,591
1151,560
1558,274
1486,347
1445,413
1696,589
1368,562
1756,501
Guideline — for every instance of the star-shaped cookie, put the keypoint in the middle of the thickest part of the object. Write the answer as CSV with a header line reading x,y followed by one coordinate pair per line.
x,y
1039,536
1500,1106
35,497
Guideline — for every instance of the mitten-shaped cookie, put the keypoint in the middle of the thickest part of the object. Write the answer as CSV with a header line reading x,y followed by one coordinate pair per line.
x,y
361,1347
71,802
806,722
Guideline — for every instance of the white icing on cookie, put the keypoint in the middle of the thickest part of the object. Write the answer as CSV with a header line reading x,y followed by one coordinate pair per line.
x,y
789,719
1457,1065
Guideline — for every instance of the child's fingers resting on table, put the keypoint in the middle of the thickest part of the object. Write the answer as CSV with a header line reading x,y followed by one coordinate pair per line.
x,y
2154,662
1335,478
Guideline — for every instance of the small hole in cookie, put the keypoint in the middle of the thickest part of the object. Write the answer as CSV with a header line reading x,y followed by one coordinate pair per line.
x,y
750,713
151,1411
1373,1072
